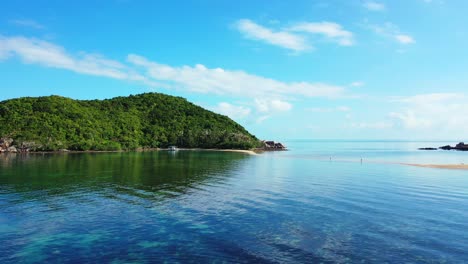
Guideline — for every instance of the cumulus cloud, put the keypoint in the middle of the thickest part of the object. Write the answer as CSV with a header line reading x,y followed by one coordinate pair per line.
x,y
282,39
330,30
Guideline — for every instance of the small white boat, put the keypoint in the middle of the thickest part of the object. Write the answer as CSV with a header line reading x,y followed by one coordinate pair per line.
x,y
172,148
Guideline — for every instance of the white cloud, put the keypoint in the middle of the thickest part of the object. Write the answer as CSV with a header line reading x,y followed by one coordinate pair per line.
x,y
227,82
440,113
27,23
357,84
35,51
372,125
275,105
262,118
196,78
262,109
411,121
298,37
374,6
330,30
282,39
233,111
390,30
404,39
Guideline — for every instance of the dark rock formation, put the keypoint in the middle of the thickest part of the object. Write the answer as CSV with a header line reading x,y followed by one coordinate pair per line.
x,y
427,148
272,145
460,146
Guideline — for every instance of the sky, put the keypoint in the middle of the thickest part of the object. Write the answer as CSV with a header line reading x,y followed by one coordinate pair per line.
x,y
335,69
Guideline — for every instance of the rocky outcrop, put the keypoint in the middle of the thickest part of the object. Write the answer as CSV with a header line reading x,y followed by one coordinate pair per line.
x,y
7,145
460,146
272,145
12,149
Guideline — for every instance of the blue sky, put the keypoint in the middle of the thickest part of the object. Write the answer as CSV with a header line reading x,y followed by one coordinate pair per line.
x,y
352,69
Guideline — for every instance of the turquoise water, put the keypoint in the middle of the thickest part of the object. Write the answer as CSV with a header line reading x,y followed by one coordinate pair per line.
x,y
213,207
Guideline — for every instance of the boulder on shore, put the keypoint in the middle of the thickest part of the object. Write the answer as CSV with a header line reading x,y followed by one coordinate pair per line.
x,y
12,149
5,143
272,145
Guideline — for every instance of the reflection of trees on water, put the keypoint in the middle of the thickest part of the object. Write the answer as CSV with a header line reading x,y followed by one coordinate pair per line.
x,y
144,174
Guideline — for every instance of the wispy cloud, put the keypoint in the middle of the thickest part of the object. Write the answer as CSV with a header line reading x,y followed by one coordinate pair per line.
x,y
272,105
330,30
372,125
35,51
329,109
201,79
374,6
233,111
297,37
256,111
27,23
390,30
282,39
404,39
444,114
357,84
437,110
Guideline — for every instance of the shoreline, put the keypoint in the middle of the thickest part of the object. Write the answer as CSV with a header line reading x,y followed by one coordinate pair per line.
x,y
245,151
255,152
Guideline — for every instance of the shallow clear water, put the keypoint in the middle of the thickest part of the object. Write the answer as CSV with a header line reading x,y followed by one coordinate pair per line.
x,y
203,207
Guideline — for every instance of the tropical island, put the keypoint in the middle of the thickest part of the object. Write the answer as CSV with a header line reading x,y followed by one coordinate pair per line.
x,y
144,121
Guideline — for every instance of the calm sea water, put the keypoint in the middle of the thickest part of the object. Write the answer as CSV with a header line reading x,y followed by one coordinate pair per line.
x,y
213,207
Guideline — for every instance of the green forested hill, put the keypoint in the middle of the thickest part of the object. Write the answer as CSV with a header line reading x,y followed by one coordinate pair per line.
x,y
146,120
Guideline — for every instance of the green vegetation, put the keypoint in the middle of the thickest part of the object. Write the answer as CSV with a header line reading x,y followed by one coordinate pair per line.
x,y
147,120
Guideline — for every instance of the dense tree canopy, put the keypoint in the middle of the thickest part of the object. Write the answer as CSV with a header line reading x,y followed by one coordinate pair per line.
x,y
147,120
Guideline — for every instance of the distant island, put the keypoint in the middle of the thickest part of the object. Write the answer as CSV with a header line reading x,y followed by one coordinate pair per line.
x,y
460,146
144,121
